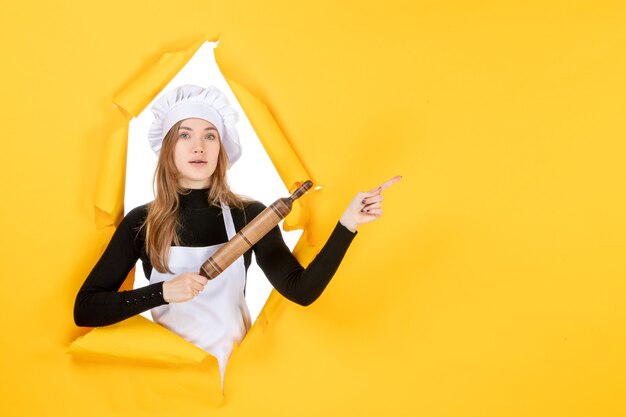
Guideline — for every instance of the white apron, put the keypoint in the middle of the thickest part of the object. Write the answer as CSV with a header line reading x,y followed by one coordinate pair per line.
x,y
219,315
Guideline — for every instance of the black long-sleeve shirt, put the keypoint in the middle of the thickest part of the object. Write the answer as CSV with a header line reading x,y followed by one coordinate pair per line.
x,y
99,301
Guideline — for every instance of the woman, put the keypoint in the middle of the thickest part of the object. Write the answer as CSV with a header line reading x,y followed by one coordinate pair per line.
x,y
193,214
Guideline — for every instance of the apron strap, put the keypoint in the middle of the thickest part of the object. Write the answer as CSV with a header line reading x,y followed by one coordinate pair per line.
x,y
228,221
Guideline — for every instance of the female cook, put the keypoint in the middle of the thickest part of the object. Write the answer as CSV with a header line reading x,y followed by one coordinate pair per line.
x,y
194,213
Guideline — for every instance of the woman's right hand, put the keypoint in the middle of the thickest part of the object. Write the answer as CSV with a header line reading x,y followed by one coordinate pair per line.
x,y
183,287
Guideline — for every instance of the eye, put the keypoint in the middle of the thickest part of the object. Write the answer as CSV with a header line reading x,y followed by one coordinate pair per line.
x,y
210,136
182,135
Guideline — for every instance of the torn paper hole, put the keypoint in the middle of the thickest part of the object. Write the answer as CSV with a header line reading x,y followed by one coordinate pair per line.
x,y
134,100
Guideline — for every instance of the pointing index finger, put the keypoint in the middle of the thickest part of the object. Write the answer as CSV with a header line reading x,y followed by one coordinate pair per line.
x,y
386,184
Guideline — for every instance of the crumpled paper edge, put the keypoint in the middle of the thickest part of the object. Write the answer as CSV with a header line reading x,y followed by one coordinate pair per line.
x,y
129,338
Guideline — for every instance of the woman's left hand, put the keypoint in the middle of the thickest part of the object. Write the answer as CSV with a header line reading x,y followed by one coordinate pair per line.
x,y
366,207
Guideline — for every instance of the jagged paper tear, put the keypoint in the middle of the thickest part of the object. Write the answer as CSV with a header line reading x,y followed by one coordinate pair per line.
x,y
138,338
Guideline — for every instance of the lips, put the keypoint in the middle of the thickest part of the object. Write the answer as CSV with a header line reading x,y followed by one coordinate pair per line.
x,y
198,162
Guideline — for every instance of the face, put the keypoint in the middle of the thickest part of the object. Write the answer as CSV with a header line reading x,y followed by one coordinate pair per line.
x,y
195,152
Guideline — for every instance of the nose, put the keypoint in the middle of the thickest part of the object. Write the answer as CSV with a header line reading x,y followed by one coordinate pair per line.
x,y
198,147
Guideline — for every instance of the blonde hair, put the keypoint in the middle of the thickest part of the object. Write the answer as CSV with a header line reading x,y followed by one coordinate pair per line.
x,y
162,222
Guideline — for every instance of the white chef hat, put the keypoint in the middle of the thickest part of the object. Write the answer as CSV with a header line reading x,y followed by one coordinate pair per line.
x,y
189,101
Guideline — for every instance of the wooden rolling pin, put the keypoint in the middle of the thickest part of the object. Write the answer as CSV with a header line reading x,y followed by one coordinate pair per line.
x,y
251,233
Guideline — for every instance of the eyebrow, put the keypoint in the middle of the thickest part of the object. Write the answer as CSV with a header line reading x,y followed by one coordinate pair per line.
x,y
188,128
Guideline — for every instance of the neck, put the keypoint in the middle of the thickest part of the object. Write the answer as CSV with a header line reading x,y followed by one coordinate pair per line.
x,y
188,185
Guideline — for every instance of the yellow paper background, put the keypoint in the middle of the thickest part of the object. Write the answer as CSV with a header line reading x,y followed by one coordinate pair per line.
x,y
494,283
